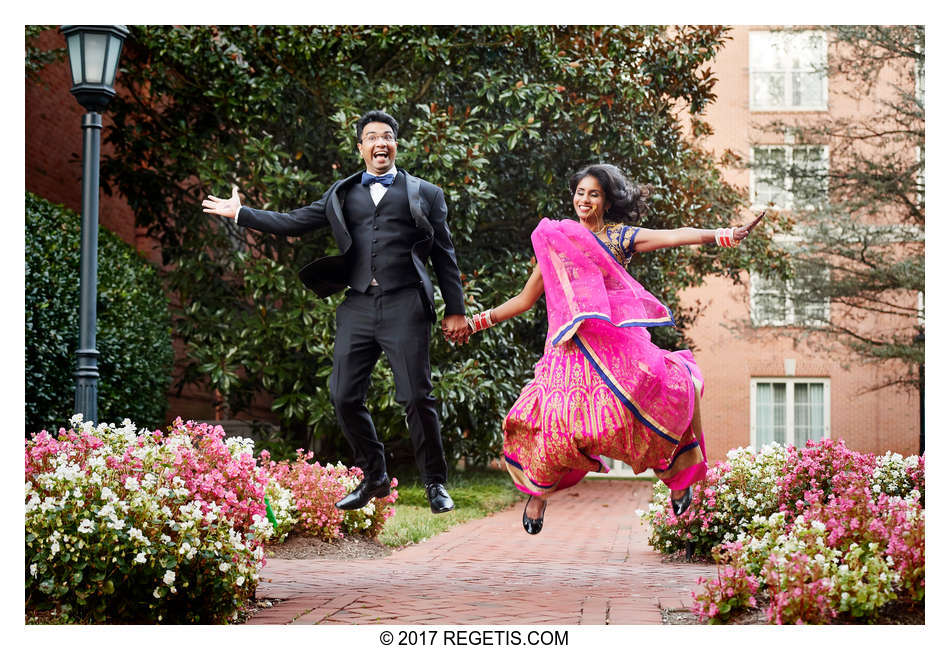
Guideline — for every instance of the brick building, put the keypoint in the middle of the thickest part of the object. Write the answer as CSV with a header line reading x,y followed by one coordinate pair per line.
x,y
769,384
765,386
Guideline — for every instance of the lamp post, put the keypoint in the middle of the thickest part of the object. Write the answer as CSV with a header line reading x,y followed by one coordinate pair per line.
x,y
93,60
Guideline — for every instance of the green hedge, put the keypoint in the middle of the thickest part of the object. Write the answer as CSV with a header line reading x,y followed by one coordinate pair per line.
x,y
133,331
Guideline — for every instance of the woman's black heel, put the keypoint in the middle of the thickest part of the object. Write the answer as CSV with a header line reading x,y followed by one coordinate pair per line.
x,y
533,526
680,505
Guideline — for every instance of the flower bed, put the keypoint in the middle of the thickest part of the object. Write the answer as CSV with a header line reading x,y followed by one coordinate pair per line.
x,y
142,527
126,526
315,488
810,533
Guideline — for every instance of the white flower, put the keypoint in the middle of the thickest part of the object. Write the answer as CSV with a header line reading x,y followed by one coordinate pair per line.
x,y
86,526
54,548
239,581
169,578
140,558
131,483
224,566
156,593
33,570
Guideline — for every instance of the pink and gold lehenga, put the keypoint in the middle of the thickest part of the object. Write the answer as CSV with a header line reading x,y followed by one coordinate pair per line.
x,y
601,388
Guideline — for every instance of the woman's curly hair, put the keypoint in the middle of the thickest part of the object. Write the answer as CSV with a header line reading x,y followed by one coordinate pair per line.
x,y
626,200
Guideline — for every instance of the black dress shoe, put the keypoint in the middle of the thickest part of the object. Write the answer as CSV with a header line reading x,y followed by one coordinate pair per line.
x,y
680,505
366,490
439,499
533,526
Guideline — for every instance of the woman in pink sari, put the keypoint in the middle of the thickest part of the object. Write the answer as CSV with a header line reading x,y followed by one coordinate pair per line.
x,y
602,388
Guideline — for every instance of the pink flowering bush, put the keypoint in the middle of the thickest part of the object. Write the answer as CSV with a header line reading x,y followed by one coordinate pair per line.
x,y
316,488
732,590
839,533
142,527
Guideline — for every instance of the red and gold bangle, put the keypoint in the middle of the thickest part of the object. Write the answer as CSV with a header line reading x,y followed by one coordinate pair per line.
x,y
726,237
481,321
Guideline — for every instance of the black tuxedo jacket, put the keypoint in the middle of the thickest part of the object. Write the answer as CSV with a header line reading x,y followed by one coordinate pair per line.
x,y
327,275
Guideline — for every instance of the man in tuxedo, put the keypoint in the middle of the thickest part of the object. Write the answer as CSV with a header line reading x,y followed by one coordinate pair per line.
x,y
386,223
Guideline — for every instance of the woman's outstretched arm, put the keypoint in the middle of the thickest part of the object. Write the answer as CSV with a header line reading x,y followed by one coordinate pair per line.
x,y
651,240
521,303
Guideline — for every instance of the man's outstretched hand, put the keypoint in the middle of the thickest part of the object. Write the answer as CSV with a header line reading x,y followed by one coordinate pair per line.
x,y
223,207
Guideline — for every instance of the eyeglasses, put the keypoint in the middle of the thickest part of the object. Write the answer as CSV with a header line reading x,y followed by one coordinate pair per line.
x,y
371,139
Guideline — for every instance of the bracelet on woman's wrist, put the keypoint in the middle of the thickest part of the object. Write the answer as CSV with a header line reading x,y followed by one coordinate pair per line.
x,y
726,237
481,321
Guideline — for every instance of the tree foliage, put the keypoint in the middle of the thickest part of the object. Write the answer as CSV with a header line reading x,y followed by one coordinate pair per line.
x,y
498,116
862,243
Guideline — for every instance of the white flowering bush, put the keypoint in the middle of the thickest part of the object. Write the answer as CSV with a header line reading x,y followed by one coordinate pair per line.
x,y
724,504
280,500
142,527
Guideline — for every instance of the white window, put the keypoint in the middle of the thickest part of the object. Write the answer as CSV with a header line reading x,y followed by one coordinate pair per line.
x,y
790,410
789,176
787,71
777,303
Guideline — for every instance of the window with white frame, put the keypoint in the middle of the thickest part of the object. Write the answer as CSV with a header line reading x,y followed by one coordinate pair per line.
x,y
789,176
790,410
788,70
776,302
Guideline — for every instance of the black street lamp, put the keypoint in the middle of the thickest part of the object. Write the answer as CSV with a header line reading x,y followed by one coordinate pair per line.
x,y
93,60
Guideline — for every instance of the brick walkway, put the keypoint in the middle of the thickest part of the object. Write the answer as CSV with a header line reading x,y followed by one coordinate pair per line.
x,y
590,565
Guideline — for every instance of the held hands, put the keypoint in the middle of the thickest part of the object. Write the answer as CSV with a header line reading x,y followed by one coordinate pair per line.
x,y
455,329
223,207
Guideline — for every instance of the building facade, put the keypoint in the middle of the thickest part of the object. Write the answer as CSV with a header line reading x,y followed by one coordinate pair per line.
x,y
764,381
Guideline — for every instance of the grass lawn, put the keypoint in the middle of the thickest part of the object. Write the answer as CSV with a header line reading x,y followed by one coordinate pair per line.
x,y
476,492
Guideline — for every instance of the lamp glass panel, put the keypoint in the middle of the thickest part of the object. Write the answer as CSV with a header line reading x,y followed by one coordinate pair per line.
x,y
112,60
75,57
95,50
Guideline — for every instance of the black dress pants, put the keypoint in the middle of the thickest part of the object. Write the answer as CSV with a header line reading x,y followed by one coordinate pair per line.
x,y
394,323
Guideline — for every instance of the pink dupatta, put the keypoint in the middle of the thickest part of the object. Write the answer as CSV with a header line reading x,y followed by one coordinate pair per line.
x,y
594,302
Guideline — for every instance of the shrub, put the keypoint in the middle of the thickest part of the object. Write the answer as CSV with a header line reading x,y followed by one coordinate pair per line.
x,y
142,527
316,488
733,589
724,503
841,533
283,509
133,325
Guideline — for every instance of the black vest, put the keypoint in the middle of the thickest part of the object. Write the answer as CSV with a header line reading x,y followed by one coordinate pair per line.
x,y
382,237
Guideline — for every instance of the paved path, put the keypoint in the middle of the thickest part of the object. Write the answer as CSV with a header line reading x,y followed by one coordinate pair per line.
x,y
590,565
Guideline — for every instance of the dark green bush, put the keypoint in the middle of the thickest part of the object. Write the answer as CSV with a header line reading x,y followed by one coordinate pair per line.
x,y
133,334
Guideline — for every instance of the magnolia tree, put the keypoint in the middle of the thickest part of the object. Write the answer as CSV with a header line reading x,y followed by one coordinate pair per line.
x,y
498,116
